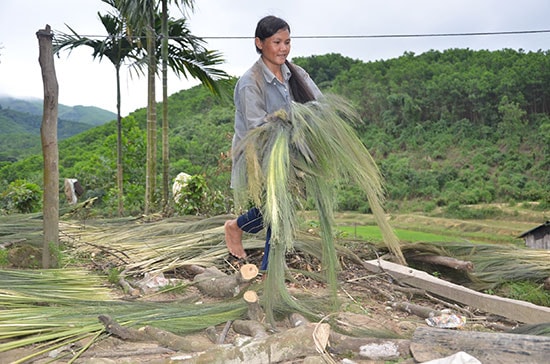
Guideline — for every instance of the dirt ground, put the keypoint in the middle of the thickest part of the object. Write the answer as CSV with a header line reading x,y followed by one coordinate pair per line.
x,y
366,304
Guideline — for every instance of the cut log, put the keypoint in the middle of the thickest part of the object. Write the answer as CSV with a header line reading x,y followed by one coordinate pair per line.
x,y
512,309
215,283
251,328
371,348
360,346
297,319
547,284
127,288
431,343
166,339
255,311
248,272
417,310
449,262
284,346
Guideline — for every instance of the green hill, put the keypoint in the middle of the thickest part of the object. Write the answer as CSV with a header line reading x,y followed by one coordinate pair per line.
x,y
446,128
83,114
20,122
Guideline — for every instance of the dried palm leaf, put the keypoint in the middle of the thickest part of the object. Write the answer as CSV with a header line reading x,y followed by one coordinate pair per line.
x,y
154,248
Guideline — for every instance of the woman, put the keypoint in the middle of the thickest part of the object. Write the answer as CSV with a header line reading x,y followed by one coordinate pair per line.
x,y
270,85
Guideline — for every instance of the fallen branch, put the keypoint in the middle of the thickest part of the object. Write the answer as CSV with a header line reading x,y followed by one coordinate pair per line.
x,y
223,335
7,244
125,333
127,288
194,343
452,306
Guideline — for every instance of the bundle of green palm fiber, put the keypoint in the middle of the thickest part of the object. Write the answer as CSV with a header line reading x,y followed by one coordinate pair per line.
x,y
313,149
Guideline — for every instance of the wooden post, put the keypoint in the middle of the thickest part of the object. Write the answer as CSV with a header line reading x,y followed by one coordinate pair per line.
x,y
48,133
513,309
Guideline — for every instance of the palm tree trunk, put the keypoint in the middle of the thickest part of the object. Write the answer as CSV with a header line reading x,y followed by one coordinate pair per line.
x,y
151,171
165,127
119,170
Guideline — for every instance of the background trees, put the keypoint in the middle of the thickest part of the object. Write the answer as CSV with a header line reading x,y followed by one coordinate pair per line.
x,y
138,22
453,127
116,47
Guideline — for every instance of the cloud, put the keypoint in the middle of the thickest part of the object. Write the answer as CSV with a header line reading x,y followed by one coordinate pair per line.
x,y
85,81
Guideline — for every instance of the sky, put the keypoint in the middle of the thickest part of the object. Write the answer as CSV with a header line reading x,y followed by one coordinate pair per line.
x,y
85,81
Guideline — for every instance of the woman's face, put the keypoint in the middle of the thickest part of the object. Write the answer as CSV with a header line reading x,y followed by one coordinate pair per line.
x,y
276,48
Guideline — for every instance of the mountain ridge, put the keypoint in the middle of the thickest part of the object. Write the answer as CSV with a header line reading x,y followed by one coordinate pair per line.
x,y
21,119
91,115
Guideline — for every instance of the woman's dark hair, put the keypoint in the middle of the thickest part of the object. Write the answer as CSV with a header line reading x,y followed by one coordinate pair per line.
x,y
268,26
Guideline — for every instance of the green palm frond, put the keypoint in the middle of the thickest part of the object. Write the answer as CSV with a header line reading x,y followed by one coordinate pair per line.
x,y
55,308
56,286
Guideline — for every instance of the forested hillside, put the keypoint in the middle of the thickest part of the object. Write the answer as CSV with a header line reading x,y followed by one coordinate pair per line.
x,y
446,128
456,126
20,122
20,133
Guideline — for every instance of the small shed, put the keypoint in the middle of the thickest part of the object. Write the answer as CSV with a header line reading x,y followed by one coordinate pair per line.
x,y
538,237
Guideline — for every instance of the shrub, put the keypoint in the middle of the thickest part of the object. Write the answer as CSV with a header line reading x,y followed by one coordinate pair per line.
x,y
196,198
21,197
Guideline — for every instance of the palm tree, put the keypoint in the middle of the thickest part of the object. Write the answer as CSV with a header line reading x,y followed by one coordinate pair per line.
x,y
140,16
185,54
165,123
116,47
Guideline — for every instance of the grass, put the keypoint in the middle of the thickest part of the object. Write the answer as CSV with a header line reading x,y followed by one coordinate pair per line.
x,y
3,258
526,291
372,233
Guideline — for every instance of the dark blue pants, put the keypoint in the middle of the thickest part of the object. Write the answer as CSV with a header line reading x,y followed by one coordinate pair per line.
x,y
252,221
